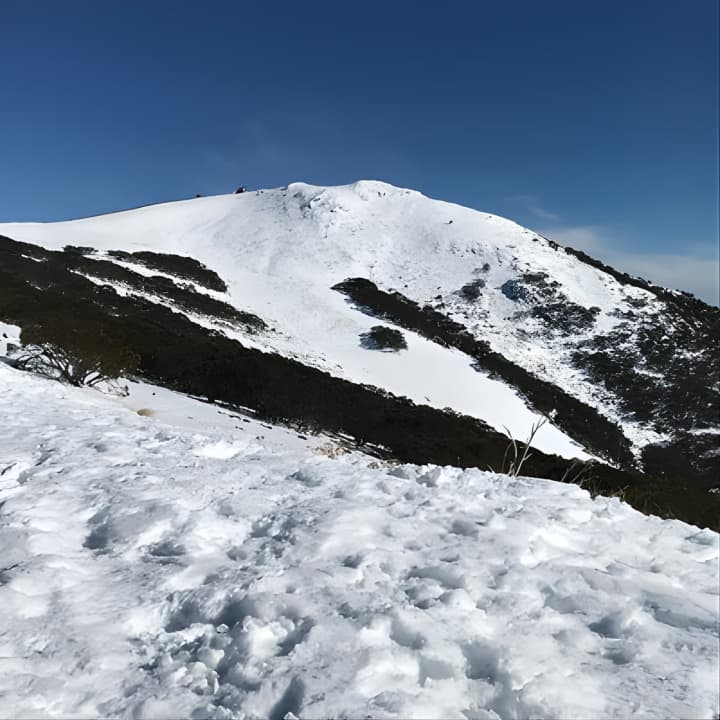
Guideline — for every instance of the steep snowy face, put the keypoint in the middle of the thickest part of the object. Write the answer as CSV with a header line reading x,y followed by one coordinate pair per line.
x,y
639,357
190,562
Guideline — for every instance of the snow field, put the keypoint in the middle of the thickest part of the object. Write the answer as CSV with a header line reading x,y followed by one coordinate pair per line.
x,y
194,564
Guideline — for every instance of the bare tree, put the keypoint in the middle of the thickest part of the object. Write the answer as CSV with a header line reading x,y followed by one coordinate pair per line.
x,y
518,458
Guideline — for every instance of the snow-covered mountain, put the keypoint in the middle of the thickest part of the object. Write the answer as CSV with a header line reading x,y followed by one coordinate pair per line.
x,y
501,324
285,517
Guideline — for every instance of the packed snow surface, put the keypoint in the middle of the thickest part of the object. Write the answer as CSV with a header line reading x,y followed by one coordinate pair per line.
x,y
187,562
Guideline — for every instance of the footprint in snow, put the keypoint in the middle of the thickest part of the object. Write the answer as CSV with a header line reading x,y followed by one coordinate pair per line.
x,y
430,478
296,636
482,662
621,654
353,561
444,577
166,552
100,534
405,636
305,478
426,586
289,704
467,528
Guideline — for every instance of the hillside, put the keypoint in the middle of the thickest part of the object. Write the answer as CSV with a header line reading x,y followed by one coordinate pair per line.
x,y
502,327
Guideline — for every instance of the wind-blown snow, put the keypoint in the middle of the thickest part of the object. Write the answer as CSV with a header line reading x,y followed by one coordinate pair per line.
x,y
197,564
282,250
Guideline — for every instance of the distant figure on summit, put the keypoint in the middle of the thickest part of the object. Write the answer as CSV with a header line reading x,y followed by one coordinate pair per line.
x,y
241,189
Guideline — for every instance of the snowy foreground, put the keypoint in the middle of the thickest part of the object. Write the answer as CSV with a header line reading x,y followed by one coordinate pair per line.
x,y
195,564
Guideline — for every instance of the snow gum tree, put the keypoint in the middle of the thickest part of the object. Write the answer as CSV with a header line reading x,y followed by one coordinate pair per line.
x,y
79,353
381,337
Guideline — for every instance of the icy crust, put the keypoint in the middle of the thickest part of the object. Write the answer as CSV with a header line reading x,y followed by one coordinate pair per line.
x,y
197,564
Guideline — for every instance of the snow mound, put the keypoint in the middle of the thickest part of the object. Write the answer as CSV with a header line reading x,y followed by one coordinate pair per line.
x,y
228,569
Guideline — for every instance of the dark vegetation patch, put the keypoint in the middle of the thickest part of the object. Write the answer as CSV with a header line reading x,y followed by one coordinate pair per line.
x,y
695,458
184,267
381,337
578,420
183,356
661,373
471,291
58,348
546,302
565,316
683,302
79,249
185,297
514,290
664,372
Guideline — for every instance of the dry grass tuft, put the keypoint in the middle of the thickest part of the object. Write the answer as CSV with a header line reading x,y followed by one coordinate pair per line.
x,y
330,450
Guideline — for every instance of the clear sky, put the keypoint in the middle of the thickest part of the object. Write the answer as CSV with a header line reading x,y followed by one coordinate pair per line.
x,y
595,122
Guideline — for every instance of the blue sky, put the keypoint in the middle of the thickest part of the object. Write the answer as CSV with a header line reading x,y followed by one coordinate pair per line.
x,y
594,122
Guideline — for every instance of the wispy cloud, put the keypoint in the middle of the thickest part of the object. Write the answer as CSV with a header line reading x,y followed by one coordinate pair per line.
x,y
534,205
697,271
544,214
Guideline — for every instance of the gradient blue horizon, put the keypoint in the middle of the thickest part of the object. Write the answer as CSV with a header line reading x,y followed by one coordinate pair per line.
x,y
595,117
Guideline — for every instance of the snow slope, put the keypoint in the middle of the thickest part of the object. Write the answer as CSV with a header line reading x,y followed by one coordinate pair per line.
x,y
282,250
193,563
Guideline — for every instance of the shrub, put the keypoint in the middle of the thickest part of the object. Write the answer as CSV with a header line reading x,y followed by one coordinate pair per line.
x,y
179,265
381,337
514,290
472,290
79,353
518,457
79,250
182,295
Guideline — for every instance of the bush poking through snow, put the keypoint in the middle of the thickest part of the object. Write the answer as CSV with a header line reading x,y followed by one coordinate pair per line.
x,y
471,291
381,337
76,353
